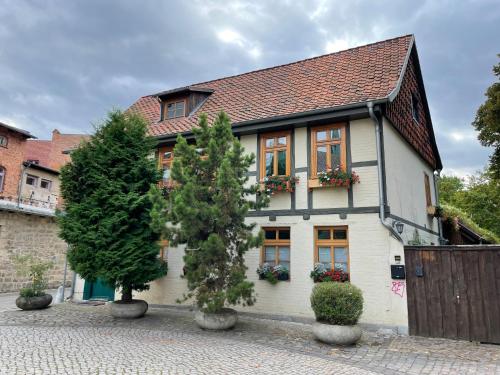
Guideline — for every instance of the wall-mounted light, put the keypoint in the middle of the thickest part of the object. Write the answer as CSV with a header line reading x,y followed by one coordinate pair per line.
x,y
398,225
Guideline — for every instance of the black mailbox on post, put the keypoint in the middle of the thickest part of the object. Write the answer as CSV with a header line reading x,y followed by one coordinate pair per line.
x,y
398,271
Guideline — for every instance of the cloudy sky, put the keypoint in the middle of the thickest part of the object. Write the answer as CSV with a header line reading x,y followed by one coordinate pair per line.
x,y
64,64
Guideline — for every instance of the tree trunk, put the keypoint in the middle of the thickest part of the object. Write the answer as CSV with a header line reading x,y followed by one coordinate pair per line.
x,y
127,294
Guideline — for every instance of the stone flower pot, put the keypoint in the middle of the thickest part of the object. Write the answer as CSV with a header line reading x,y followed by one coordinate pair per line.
x,y
224,319
129,310
33,303
337,335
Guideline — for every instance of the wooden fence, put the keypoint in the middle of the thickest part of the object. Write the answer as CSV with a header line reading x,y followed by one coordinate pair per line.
x,y
454,291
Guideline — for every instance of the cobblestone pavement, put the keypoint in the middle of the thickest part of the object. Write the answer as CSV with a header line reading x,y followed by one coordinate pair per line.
x,y
82,339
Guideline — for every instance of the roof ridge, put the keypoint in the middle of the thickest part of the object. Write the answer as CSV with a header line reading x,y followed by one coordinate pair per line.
x,y
294,62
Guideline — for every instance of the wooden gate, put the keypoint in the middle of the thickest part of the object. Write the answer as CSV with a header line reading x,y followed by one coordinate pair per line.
x,y
454,291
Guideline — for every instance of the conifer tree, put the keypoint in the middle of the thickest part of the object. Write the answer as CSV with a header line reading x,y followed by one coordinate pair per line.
x,y
207,213
108,190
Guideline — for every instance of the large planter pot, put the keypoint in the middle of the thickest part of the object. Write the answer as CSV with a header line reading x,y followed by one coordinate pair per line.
x,y
129,310
338,335
34,303
224,319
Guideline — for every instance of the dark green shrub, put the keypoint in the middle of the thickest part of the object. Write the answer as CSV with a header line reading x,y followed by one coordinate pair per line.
x,y
30,292
337,303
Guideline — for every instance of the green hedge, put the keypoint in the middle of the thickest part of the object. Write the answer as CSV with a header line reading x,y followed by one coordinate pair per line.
x,y
337,303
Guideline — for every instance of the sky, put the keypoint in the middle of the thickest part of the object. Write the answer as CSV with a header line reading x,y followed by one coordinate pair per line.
x,y
65,64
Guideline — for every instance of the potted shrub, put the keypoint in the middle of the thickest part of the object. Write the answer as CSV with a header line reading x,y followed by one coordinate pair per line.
x,y
273,274
207,212
33,297
337,307
110,201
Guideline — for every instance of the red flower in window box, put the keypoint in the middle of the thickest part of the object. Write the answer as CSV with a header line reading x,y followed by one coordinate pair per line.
x,y
275,184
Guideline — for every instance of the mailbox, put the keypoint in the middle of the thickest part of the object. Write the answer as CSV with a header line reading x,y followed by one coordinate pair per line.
x,y
398,271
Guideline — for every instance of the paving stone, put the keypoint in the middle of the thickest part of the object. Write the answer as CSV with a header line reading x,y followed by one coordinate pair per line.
x,y
80,339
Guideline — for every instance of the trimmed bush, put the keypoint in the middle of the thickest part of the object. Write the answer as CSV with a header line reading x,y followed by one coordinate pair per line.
x,y
337,303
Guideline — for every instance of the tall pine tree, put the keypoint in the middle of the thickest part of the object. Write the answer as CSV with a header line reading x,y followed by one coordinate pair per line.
x,y
108,190
207,212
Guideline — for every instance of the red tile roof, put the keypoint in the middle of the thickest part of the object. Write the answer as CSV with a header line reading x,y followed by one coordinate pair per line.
x,y
352,76
49,153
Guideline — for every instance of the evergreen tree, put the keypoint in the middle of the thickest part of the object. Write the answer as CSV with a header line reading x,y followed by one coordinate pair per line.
x,y
207,212
108,198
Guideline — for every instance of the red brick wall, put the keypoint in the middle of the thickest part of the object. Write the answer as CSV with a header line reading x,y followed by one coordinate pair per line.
x,y
11,158
399,112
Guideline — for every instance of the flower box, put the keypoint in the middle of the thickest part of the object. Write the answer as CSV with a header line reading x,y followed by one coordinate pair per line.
x,y
276,184
273,274
334,178
320,274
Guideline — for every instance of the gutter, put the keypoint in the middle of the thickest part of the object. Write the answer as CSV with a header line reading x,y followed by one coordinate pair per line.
x,y
378,136
437,176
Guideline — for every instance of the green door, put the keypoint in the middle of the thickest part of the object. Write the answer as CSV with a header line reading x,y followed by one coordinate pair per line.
x,y
98,290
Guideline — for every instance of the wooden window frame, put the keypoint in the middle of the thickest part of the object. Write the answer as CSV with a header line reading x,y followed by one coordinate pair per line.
x,y
332,243
275,149
276,243
428,195
175,101
5,145
315,143
165,162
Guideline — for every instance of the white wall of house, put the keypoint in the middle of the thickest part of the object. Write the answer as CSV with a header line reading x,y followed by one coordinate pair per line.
x,y
371,247
405,185
371,251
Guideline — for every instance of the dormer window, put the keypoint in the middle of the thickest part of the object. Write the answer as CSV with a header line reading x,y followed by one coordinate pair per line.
x,y
175,109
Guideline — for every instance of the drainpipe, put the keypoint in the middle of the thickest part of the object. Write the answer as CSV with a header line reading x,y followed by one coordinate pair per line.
x,y
378,136
437,176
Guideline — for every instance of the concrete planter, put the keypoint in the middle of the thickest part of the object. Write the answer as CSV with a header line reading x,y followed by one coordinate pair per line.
x,y
337,335
129,310
224,319
34,303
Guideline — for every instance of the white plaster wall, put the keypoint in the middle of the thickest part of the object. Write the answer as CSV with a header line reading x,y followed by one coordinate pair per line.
x,y
371,252
301,147
301,191
363,146
328,197
249,142
365,193
405,184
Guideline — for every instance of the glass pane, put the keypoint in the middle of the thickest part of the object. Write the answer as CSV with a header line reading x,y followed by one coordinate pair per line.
x,y
284,234
335,150
324,255
282,141
284,253
323,234
335,133
179,111
340,234
269,163
321,159
340,254
270,234
321,136
166,173
171,110
269,254
270,142
282,163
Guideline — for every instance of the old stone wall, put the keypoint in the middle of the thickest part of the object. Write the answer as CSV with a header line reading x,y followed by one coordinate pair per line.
x,y
22,234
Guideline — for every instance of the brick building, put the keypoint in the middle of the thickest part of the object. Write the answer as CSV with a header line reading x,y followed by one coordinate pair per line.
x,y
12,150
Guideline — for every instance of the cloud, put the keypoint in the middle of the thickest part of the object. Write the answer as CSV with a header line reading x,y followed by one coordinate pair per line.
x,y
65,64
